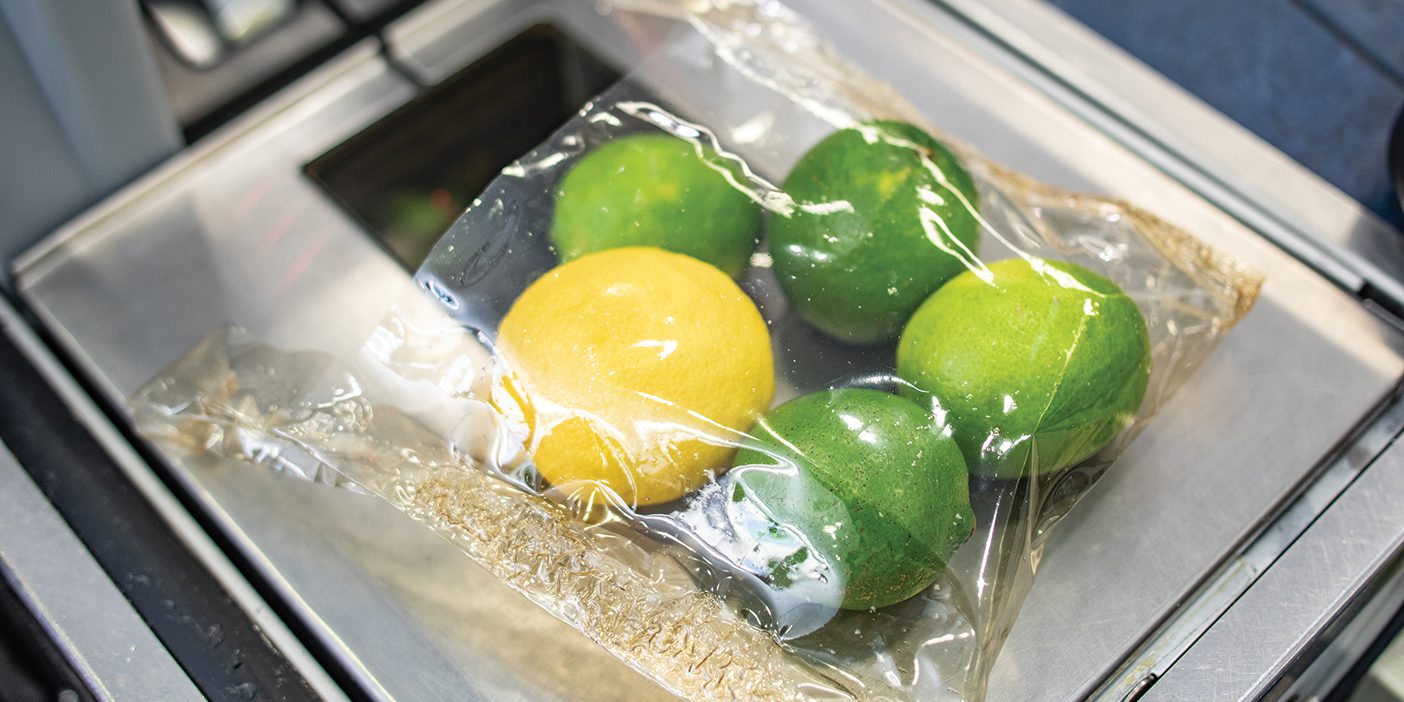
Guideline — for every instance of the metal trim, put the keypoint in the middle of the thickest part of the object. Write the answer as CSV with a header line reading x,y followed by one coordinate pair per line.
x,y
1329,571
36,261
181,522
94,627
1349,259
1226,587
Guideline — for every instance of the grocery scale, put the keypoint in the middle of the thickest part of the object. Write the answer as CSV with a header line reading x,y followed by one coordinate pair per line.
x,y
1248,547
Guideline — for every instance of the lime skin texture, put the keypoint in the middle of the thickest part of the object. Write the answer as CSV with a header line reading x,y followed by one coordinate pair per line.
x,y
656,190
872,482
1036,366
884,215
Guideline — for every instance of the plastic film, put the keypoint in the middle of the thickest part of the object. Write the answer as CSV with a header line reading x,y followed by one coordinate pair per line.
x,y
747,372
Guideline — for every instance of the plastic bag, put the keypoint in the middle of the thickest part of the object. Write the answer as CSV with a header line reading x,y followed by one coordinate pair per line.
x,y
830,478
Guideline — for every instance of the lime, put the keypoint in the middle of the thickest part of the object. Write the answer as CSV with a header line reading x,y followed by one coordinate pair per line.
x,y
1037,365
656,190
872,482
885,216
634,369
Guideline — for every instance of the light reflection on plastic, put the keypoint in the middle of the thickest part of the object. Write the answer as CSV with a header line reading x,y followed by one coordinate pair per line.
x,y
441,294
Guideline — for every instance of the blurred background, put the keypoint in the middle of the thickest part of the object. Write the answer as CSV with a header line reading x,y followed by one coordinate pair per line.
x,y
1322,80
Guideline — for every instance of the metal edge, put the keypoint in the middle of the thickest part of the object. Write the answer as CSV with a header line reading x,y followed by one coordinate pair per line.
x,y
36,260
1085,95
1329,572
165,502
1019,53
417,31
76,603
1356,642
430,15
1126,83
1222,589
166,496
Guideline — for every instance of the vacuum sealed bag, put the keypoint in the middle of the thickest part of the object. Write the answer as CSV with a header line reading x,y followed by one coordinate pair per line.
x,y
747,372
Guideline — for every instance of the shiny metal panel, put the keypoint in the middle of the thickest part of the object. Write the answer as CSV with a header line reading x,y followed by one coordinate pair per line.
x,y
1253,650
447,35
182,523
1224,588
233,233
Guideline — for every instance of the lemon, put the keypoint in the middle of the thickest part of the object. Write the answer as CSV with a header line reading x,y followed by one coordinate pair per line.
x,y
635,370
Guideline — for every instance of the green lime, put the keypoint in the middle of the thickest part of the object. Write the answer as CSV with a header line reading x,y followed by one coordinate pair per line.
x,y
872,482
656,190
886,214
1037,366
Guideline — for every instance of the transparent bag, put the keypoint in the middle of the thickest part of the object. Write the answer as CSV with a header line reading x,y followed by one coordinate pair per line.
x,y
820,464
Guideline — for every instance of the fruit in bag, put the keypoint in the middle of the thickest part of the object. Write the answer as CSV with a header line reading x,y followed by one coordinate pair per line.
x,y
877,486
884,215
1035,364
656,190
634,370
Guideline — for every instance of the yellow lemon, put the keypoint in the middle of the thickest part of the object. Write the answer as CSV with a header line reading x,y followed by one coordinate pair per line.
x,y
635,370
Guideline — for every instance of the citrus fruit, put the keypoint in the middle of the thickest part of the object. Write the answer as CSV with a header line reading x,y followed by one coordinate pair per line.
x,y
885,215
1037,367
635,370
655,190
871,480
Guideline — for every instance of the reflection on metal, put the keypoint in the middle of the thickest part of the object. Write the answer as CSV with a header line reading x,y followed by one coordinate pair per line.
x,y
92,418
1347,643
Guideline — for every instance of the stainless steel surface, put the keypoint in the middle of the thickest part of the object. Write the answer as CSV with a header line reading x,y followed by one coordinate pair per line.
x,y
240,21
365,9
252,235
92,624
1347,643
1265,636
1239,573
201,32
442,37
232,233
261,246
166,504
1166,123
188,31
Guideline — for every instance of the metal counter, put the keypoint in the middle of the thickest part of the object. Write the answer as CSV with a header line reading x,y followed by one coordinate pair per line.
x,y
232,232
